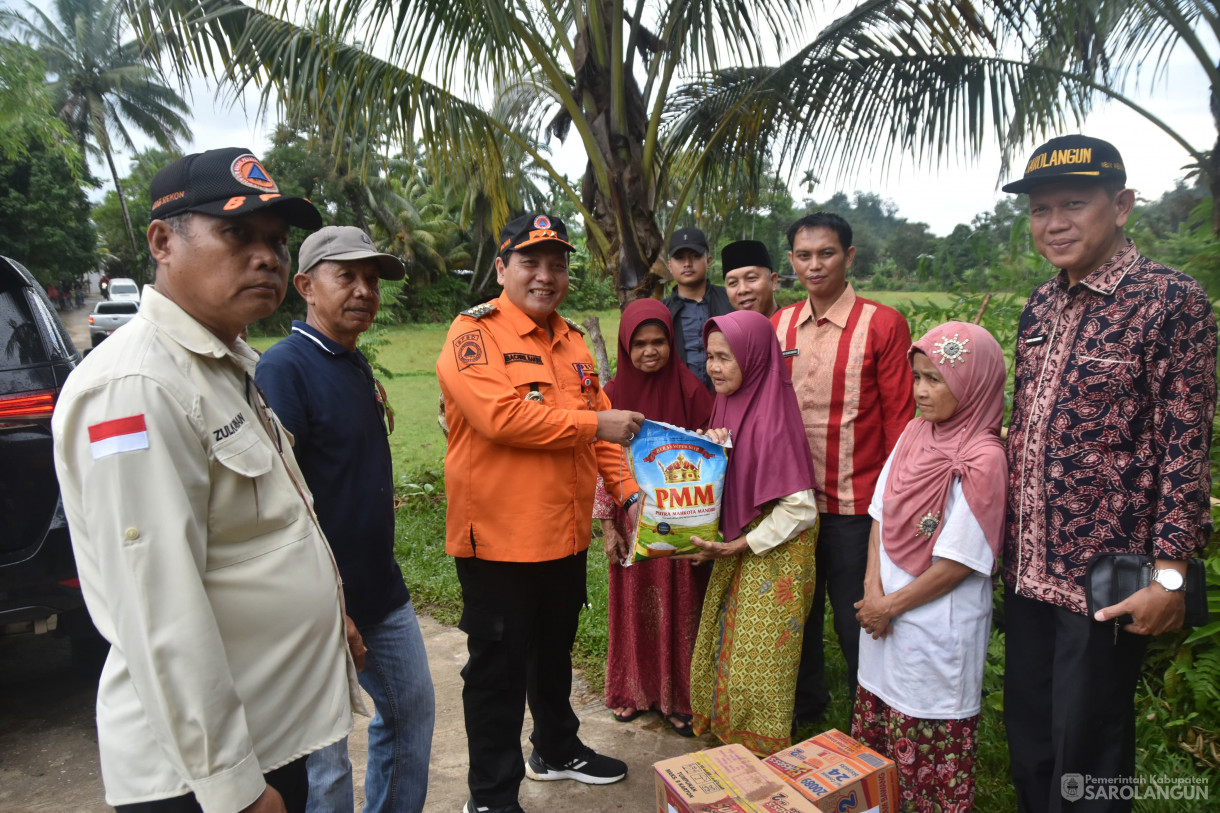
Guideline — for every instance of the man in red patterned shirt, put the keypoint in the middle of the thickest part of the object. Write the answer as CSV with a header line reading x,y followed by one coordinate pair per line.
x,y
848,359
1114,393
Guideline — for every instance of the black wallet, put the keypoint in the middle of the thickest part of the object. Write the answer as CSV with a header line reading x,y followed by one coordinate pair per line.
x,y
1111,577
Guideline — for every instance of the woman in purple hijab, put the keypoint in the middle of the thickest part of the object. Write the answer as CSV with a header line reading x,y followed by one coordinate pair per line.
x,y
743,676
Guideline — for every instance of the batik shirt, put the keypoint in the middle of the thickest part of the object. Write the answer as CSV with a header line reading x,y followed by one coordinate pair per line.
x,y
1114,395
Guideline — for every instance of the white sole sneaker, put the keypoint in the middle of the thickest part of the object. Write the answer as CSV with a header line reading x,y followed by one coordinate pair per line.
x,y
538,770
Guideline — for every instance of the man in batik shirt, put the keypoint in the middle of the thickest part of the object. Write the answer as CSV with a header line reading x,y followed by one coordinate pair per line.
x,y
1108,451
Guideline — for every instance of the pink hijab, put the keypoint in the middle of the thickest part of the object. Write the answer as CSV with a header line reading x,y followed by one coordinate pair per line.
x,y
770,456
967,445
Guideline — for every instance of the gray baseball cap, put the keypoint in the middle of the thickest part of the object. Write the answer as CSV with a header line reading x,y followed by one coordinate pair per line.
x,y
341,243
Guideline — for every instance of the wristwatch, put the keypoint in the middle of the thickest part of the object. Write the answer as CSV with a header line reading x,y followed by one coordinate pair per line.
x,y
632,500
1170,579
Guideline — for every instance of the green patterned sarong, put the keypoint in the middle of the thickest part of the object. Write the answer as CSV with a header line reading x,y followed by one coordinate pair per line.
x,y
748,651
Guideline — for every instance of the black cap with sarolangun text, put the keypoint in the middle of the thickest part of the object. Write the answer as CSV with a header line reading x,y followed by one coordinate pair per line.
x,y
227,182
1071,156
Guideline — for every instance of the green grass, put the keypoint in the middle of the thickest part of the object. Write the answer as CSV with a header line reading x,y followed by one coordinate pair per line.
x,y
899,299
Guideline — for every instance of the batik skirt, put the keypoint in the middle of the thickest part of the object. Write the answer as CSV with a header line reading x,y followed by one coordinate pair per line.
x,y
748,651
935,758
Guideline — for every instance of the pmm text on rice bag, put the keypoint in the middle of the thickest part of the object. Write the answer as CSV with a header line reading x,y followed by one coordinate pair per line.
x,y
682,476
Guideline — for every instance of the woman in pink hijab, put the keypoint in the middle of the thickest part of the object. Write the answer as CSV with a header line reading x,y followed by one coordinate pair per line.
x,y
938,521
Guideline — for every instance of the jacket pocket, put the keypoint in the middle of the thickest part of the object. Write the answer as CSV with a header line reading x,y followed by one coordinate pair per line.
x,y
251,494
528,378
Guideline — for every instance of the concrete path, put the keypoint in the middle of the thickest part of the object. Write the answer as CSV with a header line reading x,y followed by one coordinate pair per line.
x,y
76,320
49,760
639,743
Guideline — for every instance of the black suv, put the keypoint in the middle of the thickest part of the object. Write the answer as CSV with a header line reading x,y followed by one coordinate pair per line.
x,y
39,591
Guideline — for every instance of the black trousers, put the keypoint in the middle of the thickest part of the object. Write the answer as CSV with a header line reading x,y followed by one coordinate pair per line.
x,y
841,560
291,781
520,622
1069,705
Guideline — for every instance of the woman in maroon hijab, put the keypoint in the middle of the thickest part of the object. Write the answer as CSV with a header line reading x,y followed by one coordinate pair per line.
x,y
743,675
655,605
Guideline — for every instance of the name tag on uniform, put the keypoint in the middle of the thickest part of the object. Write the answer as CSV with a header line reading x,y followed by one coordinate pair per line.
x,y
1034,340
793,352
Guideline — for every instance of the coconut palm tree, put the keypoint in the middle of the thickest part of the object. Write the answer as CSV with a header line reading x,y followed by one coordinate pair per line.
x,y
26,114
1105,44
666,97
100,85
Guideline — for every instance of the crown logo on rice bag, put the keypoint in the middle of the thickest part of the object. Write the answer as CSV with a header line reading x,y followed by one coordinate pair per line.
x,y
680,471
681,474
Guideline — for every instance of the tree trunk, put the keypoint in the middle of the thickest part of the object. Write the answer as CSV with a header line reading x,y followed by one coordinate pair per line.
x,y
623,210
593,327
118,188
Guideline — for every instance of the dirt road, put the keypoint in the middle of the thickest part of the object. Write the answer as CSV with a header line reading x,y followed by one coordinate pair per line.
x,y
48,744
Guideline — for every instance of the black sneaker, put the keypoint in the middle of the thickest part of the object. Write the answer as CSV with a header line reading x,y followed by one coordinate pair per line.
x,y
587,766
471,807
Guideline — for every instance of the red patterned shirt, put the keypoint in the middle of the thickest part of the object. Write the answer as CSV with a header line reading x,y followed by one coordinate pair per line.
x,y
1111,424
854,386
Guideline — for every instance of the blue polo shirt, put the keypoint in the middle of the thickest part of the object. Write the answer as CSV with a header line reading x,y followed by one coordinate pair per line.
x,y
325,396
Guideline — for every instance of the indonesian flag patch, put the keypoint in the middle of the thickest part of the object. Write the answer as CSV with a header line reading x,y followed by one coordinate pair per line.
x,y
120,435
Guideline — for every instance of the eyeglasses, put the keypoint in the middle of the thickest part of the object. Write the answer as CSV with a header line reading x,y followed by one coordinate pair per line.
x,y
384,401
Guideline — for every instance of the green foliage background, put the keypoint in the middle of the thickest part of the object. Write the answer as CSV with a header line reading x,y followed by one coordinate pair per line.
x,y
45,216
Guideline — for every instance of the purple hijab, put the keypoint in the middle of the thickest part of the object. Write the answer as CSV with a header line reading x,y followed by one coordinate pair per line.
x,y
770,457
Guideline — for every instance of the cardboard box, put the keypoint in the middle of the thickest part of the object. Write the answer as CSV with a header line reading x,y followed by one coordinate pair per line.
x,y
838,774
729,779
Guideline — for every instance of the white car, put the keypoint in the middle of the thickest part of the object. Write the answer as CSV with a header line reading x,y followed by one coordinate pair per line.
x,y
123,289
107,317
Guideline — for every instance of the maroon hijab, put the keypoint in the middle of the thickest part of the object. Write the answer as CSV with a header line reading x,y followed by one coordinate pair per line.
x,y
770,457
671,394
966,445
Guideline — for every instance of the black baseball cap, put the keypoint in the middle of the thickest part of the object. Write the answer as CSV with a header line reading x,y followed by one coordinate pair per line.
x,y
531,229
1071,156
688,237
226,183
745,253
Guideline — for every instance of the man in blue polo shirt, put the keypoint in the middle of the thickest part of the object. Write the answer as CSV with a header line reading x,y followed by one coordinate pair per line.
x,y
323,390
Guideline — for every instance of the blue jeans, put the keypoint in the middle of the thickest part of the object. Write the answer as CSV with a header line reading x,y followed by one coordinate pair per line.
x,y
396,676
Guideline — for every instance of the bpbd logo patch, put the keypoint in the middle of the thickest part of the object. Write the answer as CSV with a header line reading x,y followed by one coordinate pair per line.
x,y
468,350
249,172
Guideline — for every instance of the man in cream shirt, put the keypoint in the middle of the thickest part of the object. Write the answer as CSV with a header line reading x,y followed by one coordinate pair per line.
x,y
199,555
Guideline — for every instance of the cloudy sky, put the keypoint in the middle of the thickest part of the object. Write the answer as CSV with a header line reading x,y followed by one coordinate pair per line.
x,y
940,196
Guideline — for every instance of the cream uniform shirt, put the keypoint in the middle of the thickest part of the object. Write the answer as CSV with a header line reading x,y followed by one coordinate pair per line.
x,y
201,563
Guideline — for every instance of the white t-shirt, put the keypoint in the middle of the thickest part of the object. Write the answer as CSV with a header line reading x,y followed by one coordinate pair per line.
x,y
931,666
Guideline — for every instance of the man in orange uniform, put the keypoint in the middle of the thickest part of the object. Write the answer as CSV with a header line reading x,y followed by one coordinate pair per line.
x,y
529,430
